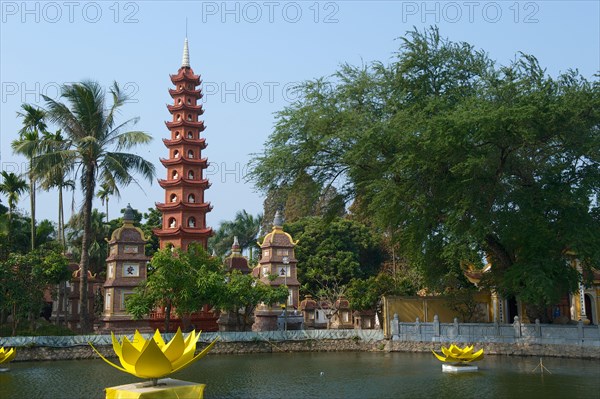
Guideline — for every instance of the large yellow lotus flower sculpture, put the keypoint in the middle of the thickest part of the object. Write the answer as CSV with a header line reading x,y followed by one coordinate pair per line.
x,y
7,355
153,358
459,355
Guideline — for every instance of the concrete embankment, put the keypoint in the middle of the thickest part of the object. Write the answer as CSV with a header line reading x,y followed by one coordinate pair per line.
x,y
39,353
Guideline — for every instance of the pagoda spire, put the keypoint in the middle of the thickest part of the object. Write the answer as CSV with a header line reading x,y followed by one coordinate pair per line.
x,y
185,60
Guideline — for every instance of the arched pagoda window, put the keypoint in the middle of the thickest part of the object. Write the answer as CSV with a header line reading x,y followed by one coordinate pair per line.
x,y
191,174
192,222
190,154
175,175
179,101
189,101
173,197
189,117
172,223
190,135
176,154
191,198
178,117
177,134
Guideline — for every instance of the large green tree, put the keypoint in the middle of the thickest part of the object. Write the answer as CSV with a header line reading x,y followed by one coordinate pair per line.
x,y
178,280
96,148
459,158
23,280
332,253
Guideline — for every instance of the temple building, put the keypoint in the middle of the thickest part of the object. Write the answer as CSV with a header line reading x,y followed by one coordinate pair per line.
x,y
125,270
277,258
184,210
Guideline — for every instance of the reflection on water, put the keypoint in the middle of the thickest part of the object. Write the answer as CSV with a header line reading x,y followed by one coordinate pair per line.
x,y
321,375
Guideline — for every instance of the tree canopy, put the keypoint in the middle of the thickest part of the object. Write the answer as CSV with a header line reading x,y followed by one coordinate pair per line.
x,y
461,158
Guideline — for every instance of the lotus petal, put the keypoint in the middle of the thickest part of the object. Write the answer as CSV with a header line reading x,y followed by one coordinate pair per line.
x,y
138,340
440,358
116,345
130,355
158,338
174,349
198,356
7,356
152,363
108,361
189,350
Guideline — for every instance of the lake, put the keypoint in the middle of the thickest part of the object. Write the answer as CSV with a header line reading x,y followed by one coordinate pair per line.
x,y
321,375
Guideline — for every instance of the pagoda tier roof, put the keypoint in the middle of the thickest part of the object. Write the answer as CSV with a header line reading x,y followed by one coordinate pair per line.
x,y
196,124
184,182
185,74
184,232
193,93
178,205
186,161
179,107
184,140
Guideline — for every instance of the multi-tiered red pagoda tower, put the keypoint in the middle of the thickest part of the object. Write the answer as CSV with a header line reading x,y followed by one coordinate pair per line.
x,y
184,210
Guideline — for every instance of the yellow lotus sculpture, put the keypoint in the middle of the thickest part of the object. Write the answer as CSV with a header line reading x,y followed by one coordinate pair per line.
x,y
7,355
153,358
459,355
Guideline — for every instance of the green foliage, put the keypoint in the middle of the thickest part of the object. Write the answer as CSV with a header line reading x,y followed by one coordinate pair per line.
x,y
459,158
334,253
23,280
365,294
183,280
245,226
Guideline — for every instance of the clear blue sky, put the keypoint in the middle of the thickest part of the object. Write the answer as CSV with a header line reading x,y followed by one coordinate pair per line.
x,y
248,53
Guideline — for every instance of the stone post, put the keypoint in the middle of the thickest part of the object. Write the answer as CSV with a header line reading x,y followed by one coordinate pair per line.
x,y
418,326
538,328
517,327
394,328
580,329
436,326
457,327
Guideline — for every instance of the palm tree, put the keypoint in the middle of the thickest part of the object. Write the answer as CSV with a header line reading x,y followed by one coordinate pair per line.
x,y
95,146
106,190
57,177
27,144
12,186
245,226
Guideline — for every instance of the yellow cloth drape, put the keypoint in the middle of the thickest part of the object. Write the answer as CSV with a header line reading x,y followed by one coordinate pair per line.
x,y
168,388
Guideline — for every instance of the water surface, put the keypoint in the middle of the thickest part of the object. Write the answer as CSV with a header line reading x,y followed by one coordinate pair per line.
x,y
321,375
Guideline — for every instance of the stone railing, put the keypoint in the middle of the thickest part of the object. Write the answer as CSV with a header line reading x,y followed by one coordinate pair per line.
x,y
249,336
543,334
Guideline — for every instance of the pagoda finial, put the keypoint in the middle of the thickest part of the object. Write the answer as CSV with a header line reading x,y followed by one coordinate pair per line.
x,y
277,220
185,61
235,248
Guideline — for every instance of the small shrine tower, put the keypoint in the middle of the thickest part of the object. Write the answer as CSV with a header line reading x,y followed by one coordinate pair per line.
x,y
125,270
236,261
184,210
277,258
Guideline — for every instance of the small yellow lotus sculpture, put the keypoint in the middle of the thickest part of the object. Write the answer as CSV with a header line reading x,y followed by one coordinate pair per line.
x,y
153,358
459,355
7,355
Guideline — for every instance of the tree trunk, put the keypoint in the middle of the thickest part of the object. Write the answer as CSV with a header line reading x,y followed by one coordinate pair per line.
x,y
61,222
167,316
84,316
32,202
